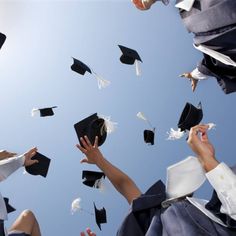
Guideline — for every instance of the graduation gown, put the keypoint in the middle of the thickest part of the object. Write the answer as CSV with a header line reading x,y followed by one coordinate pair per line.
x,y
210,19
213,23
147,217
225,75
9,210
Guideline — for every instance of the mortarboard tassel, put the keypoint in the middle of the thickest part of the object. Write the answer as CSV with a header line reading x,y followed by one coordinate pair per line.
x,y
100,184
34,111
141,116
110,125
75,206
138,67
102,83
175,134
211,126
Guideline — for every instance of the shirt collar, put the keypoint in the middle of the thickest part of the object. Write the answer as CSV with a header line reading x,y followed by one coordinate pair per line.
x,y
185,4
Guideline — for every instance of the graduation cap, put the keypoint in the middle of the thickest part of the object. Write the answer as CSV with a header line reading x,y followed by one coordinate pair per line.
x,y
100,216
48,111
81,68
92,126
40,168
148,135
2,39
190,116
92,178
130,56
8,206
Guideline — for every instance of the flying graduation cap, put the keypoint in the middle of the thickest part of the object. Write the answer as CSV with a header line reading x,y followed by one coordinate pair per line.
x,y
190,117
81,68
148,135
130,56
40,168
93,126
2,39
48,111
92,178
100,216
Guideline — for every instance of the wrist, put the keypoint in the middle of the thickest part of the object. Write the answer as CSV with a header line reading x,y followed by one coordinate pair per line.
x,y
100,161
208,163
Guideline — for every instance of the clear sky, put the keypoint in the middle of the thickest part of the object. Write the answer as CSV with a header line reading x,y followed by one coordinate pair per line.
x,y
35,61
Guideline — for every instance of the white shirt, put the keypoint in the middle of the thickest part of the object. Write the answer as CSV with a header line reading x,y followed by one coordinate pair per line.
x,y
217,55
196,74
185,5
7,167
223,180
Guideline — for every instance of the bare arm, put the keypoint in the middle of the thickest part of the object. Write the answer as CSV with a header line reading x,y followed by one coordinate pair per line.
x,y
119,179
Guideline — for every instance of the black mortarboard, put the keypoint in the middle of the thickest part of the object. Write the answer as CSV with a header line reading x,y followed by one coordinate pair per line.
x,y
128,55
100,216
149,136
48,111
40,168
190,116
2,39
8,206
92,126
91,178
80,67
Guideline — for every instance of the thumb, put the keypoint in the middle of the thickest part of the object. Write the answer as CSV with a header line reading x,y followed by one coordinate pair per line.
x,y
84,160
34,161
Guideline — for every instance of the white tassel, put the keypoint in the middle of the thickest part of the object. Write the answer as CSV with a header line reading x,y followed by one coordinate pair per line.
x,y
175,134
100,184
138,67
34,111
102,83
75,205
141,116
110,125
211,126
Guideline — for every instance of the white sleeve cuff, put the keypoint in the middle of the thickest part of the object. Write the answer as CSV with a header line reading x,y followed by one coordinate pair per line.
x,y
196,74
221,178
21,159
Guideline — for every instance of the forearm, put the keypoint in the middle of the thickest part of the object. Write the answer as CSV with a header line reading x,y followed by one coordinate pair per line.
x,y
208,163
122,182
10,165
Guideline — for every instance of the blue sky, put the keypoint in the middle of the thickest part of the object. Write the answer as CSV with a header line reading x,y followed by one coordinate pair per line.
x,y
35,61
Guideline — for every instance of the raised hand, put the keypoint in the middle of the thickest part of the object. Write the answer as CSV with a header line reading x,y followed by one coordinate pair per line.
x,y
28,155
89,233
92,153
